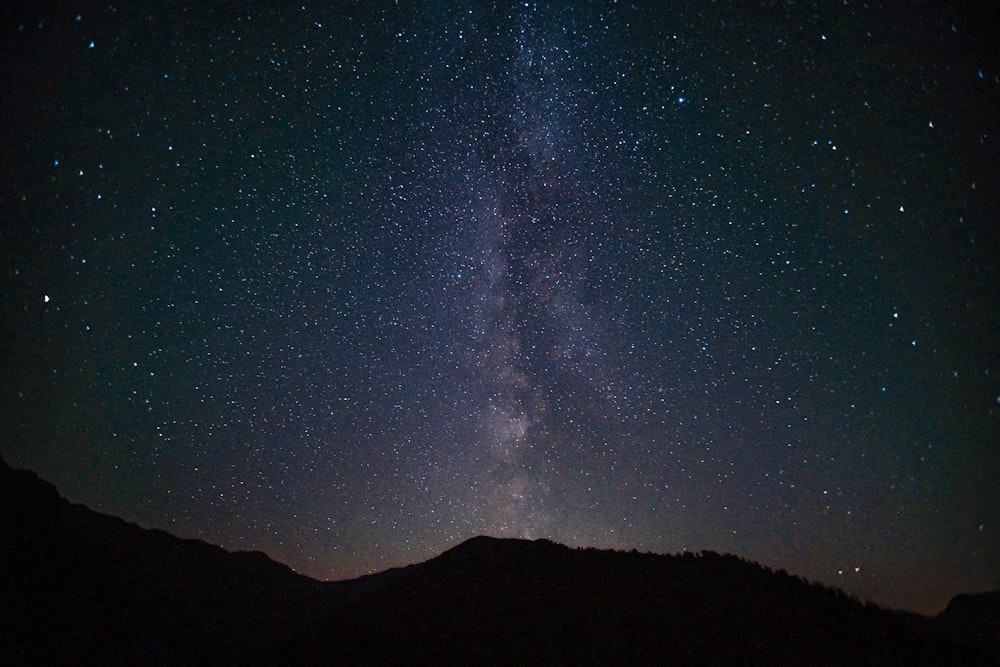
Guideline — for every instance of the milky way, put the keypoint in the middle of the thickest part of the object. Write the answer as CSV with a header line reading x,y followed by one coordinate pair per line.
x,y
351,286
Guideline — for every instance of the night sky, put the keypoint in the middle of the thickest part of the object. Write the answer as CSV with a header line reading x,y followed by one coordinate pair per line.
x,y
350,286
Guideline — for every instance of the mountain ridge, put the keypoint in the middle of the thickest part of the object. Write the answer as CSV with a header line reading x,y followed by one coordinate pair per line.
x,y
80,586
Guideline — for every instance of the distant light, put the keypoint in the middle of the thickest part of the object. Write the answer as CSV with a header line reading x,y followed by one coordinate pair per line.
x,y
45,298
91,45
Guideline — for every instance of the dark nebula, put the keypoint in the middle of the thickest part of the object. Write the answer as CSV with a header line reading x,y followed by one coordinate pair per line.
x,y
349,286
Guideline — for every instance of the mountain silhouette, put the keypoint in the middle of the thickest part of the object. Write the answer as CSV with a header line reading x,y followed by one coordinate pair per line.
x,y
80,587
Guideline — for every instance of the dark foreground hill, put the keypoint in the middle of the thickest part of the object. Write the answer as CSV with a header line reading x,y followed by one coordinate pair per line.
x,y
80,587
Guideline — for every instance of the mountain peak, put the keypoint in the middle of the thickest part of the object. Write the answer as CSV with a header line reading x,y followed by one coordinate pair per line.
x,y
488,542
76,584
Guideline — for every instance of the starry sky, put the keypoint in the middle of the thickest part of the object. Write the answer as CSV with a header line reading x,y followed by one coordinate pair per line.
x,y
351,282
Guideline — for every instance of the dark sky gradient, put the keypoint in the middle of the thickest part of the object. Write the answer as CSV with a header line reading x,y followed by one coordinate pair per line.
x,y
350,286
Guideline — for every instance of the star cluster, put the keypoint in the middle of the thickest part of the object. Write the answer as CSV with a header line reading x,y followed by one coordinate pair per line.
x,y
352,285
